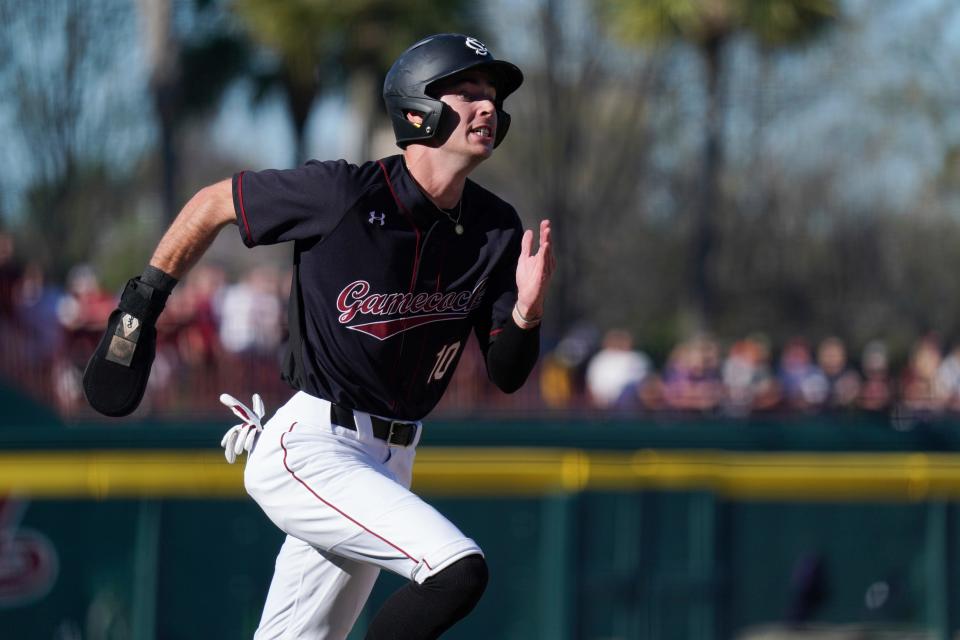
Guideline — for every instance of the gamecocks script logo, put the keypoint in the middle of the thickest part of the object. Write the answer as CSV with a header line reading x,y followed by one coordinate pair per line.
x,y
402,311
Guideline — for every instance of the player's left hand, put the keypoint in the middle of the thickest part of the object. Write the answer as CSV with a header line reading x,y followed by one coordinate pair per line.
x,y
242,437
534,271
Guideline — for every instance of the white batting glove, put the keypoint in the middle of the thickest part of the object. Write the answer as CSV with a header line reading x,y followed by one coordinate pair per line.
x,y
241,437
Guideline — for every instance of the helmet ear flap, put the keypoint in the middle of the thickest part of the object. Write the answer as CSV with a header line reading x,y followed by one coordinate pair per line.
x,y
405,130
431,127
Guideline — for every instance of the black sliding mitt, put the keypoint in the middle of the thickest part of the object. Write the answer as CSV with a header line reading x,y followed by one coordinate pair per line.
x,y
117,373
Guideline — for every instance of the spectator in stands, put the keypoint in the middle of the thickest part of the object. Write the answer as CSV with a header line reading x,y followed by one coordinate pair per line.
x,y
31,339
192,317
918,381
947,381
876,391
748,381
82,311
9,275
251,322
617,370
843,382
563,370
188,352
10,272
803,384
86,306
38,329
556,382
691,378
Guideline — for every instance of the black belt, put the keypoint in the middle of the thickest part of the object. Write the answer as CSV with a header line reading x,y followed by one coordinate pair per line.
x,y
395,432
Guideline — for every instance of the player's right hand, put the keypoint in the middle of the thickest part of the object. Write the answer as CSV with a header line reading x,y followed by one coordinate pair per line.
x,y
241,437
116,374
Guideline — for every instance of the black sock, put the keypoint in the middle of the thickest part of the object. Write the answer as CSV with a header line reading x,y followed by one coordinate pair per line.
x,y
424,611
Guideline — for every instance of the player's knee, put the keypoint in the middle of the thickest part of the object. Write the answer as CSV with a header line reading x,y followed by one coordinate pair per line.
x,y
465,580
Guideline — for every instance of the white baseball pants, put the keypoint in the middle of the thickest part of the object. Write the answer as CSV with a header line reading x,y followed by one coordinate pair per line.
x,y
343,499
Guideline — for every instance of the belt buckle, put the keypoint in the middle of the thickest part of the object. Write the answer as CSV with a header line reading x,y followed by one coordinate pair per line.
x,y
390,433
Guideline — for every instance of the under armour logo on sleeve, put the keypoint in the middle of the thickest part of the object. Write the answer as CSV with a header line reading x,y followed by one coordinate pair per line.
x,y
375,217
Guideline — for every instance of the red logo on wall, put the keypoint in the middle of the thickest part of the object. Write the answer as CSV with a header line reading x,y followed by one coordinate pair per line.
x,y
28,560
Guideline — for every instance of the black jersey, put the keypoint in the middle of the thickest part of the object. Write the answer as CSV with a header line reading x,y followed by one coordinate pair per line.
x,y
385,292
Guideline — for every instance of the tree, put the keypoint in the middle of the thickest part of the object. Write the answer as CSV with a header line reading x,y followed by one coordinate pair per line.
x,y
188,75
578,152
77,133
325,44
59,56
709,26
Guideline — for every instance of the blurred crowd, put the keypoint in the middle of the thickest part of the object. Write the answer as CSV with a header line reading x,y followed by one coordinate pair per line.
x,y
216,334
748,376
222,333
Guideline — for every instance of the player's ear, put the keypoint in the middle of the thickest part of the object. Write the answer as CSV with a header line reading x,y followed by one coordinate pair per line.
x,y
415,118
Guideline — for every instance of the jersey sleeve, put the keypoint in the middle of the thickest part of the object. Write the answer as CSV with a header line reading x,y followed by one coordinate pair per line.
x,y
279,205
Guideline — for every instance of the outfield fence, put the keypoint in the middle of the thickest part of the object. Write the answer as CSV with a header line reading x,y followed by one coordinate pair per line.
x,y
611,529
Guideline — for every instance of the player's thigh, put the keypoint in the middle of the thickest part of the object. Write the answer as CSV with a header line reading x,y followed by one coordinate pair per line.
x,y
405,535
340,496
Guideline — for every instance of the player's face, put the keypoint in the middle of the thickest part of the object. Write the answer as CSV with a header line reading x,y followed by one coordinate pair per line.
x,y
471,98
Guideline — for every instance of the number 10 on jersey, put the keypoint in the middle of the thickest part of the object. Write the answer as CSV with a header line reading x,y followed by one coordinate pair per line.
x,y
444,357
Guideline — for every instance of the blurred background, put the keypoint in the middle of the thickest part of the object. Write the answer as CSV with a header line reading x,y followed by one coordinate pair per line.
x,y
744,420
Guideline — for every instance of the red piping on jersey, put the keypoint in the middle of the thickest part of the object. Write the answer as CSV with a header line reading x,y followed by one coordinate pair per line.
x,y
317,496
243,213
443,257
409,217
386,176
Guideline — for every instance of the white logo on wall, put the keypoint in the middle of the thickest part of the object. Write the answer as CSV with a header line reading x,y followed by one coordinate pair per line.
x,y
374,217
478,47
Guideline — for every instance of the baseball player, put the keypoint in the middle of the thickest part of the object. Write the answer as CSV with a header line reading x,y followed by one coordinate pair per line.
x,y
396,262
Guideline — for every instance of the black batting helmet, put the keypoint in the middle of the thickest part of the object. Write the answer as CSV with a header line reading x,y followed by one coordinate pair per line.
x,y
408,83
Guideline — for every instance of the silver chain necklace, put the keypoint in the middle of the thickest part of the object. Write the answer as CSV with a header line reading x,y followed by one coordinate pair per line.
x,y
457,227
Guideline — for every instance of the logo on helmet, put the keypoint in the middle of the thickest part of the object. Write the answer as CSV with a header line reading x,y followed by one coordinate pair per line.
x,y
478,47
